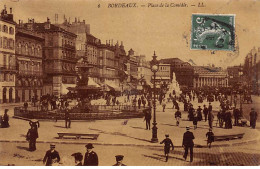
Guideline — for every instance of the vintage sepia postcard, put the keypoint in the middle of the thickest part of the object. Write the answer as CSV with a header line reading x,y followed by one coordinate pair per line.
x,y
129,83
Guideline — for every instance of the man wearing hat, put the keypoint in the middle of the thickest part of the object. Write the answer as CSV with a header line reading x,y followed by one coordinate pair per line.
x,y
78,158
91,158
52,156
205,112
119,160
210,137
148,117
167,145
187,143
253,118
5,123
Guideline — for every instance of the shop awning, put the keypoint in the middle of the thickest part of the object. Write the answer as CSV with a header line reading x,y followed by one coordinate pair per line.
x,y
64,88
112,85
91,82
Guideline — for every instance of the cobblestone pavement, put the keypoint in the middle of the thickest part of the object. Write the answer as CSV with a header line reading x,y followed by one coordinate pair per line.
x,y
242,155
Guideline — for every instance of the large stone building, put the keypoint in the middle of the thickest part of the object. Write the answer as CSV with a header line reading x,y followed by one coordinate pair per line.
x,y
29,78
132,68
7,57
108,66
184,72
144,73
233,75
163,74
59,58
209,76
252,70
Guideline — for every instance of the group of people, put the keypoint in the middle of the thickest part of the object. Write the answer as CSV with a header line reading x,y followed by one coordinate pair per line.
x,y
187,143
52,157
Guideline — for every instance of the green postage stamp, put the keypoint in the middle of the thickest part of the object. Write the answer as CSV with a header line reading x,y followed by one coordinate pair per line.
x,y
213,32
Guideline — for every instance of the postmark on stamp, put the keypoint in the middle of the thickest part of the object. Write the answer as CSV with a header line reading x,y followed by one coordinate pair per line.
x,y
213,32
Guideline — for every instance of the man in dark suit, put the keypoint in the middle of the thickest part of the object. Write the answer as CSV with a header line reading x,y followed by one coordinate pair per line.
x,y
52,156
147,118
91,158
78,159
210,107
167,145
119,160
187,143
205,112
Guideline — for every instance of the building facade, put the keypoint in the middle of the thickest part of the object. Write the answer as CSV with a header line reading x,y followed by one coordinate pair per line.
x,y
59,58
29,78
132,68
233,75
163,74
252,70
184,72
7,57
206,76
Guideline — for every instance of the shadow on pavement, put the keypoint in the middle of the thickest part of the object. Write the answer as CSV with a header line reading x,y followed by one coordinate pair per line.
x,y
153,157
23,148
59,126
137,127
167,124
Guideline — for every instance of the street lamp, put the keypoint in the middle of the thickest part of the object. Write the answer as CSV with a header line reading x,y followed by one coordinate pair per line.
x,y
154,68
240,80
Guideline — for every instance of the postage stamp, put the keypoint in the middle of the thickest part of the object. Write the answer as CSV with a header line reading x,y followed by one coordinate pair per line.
x,y
213,32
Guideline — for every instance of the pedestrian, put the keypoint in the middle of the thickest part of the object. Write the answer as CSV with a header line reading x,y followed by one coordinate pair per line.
x,y
25,105
191,113
210,137
199,113
236,114
164,104
210,119
195,121
253,118
67,118
167,145
178,117
78,158
5,123
119,160
52,156
144,102
205,112
210,107
148,117
187,143
139,103
91,158
31,136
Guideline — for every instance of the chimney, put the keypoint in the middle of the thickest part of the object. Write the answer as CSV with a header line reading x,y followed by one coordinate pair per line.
x,y
109,42
75,20
11,10
84,21
19,21
106,42
48,20
112,42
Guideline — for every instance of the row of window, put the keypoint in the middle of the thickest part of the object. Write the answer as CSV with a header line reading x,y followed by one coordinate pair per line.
x,y
6,43
67,42
6,77
32,50
4,28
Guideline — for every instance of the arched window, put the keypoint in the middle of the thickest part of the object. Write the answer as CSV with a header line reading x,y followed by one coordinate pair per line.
x,y
33,52
11,30
39,51
26,49
5,29
19,48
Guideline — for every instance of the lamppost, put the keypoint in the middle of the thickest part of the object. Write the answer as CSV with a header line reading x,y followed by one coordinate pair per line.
x,y
240,87
154,68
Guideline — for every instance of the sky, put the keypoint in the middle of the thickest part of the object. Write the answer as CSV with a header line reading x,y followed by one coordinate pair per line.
x,y
164,30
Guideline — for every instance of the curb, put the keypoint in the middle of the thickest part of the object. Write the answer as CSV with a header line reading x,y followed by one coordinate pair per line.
x,y
136,145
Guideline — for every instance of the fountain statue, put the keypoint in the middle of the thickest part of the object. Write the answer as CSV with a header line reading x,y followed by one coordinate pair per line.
x,y
174,87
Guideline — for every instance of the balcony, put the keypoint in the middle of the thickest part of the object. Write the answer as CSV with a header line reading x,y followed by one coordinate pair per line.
x,y
70,47
7,68
30,73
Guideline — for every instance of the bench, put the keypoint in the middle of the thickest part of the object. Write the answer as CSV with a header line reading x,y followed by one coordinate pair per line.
x,y
79,135
228,136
